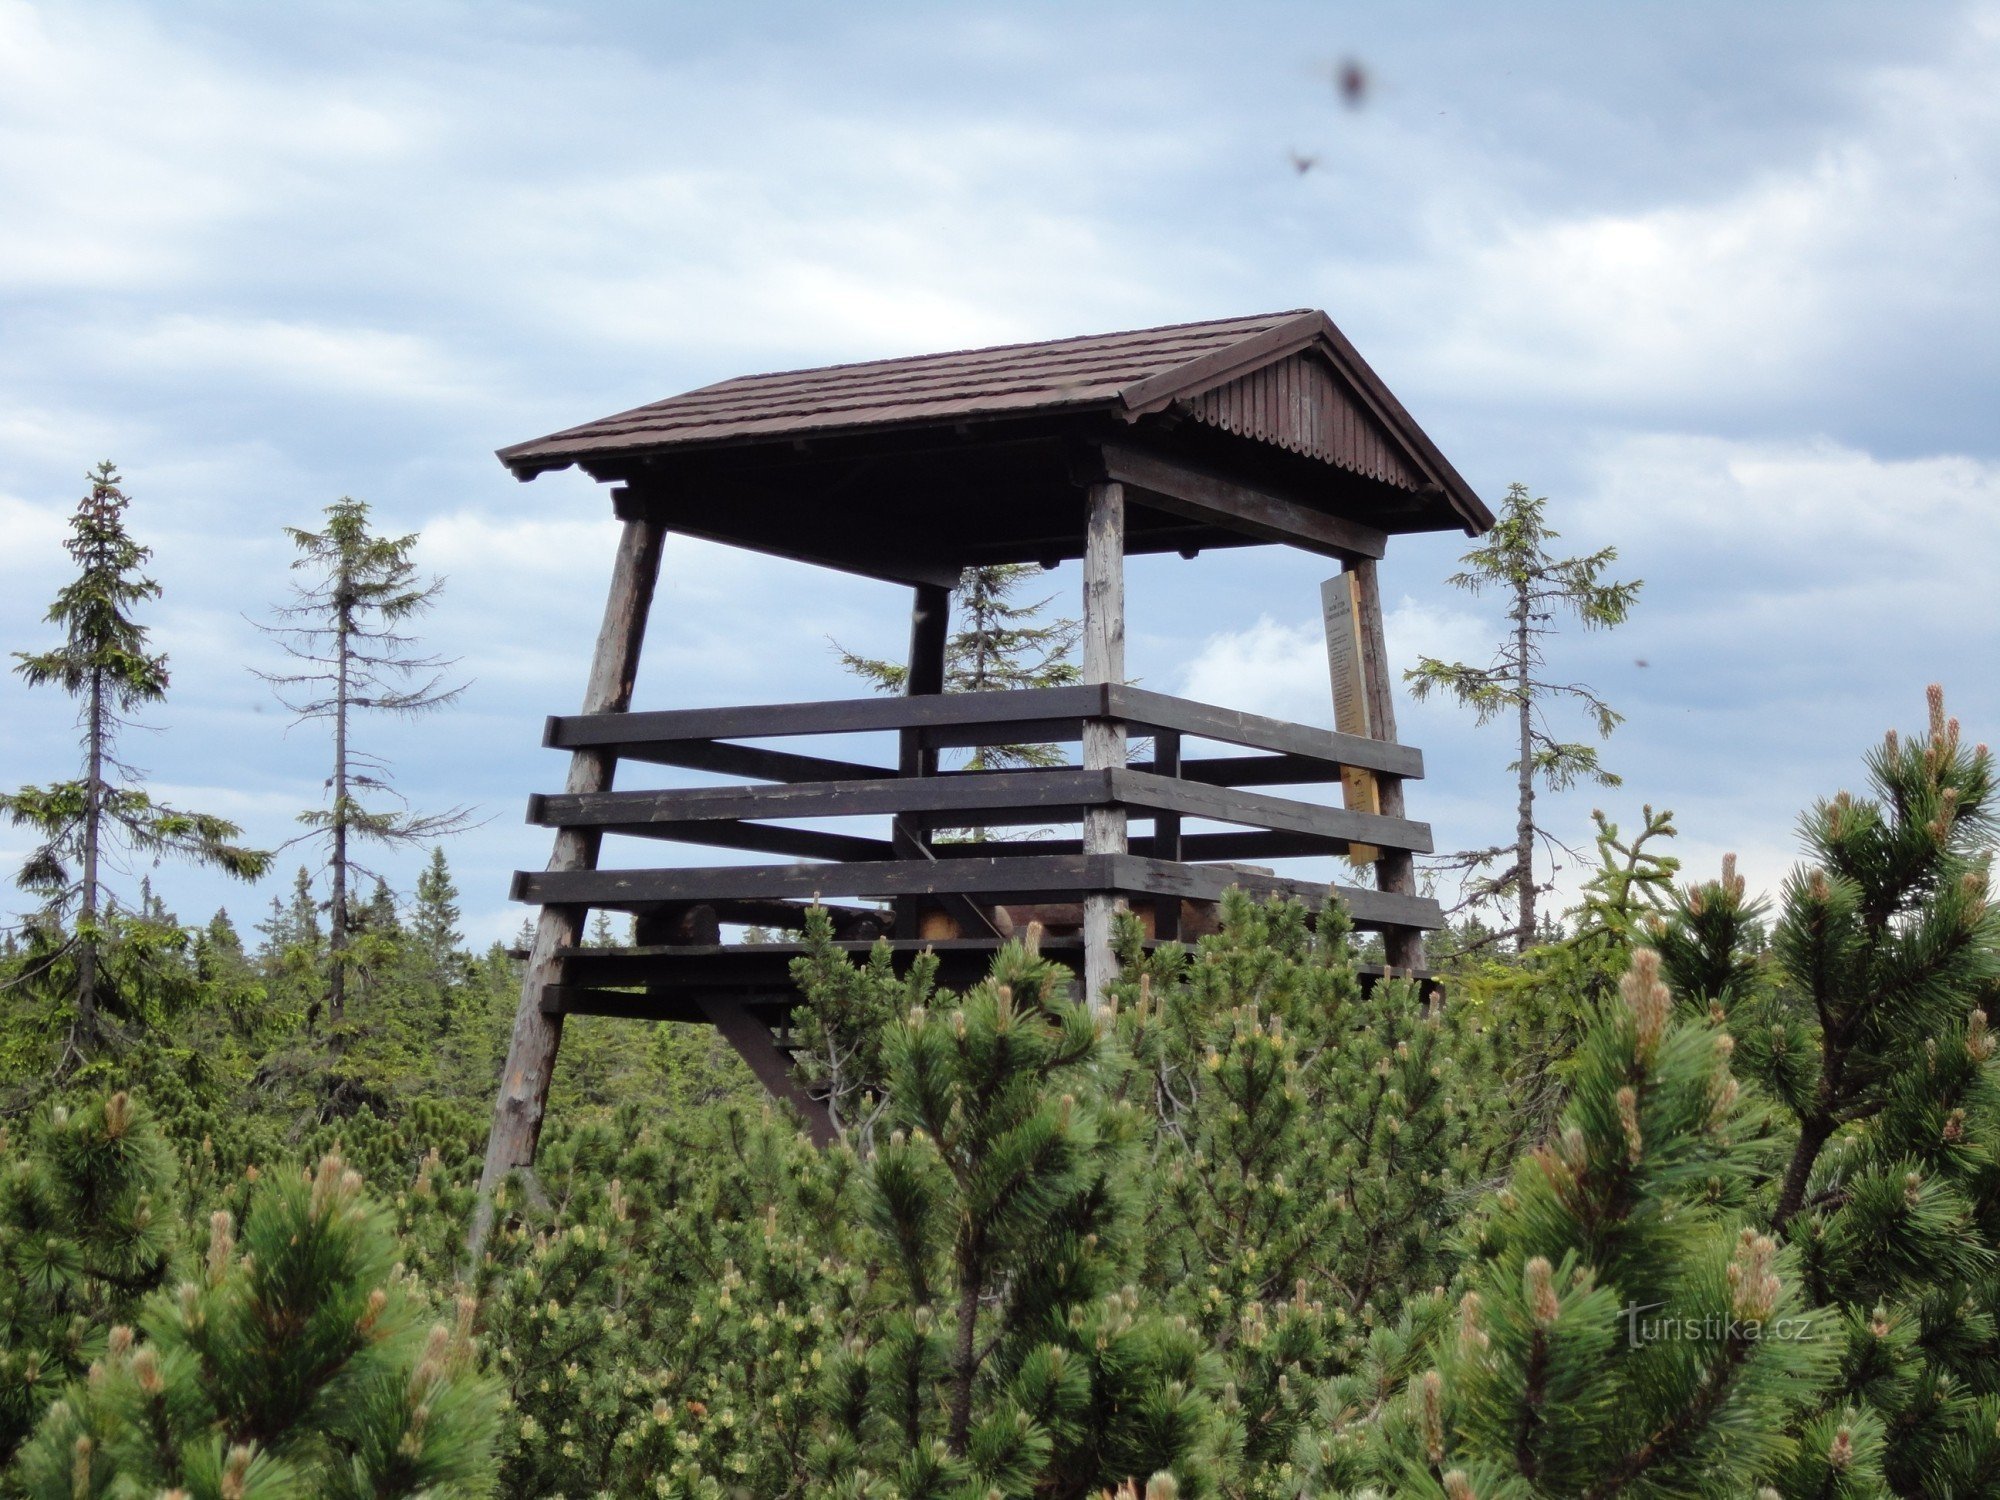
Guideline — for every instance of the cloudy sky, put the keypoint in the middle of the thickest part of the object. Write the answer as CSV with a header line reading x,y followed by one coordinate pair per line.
x,y
1718,279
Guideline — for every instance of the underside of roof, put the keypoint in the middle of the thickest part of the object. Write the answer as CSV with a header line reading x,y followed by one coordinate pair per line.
x,y
1281,400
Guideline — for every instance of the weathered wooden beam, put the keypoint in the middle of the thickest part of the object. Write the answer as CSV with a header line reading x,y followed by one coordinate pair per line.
x,y
1060,793
1185,490
1024,879
754,761
761,838
1255,846
1104,831
1004,711
1167,842
1340,604
531,1049
1040,713
1250,770
923,677
990,799
1395,872
1381,910
1143,709
996,879
753,1043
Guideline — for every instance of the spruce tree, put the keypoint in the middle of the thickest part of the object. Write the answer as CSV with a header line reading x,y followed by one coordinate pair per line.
x,y
435,916
1514,558
87,826
346,630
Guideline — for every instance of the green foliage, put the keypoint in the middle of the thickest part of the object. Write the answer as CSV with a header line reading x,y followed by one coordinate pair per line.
x,y
1626,1330
1785,1286
1309,1146
1543,1000
295,1363
662,1328
997,1202
1692,1198
87,1228
1868,1024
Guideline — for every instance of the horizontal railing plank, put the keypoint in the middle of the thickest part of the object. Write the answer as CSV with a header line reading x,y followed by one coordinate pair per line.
x,y
994,799
999,879
946,719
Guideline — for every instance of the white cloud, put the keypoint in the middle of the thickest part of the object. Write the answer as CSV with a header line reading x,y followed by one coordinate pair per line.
x,y
1279,668
30,535
379,364
1789,279
125,145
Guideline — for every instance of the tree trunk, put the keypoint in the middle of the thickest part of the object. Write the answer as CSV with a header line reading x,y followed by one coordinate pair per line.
x,y
84,1036
336,940
1524,825
964,1355
1814,1132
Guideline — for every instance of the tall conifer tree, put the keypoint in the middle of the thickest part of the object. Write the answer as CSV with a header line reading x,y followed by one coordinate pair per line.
x,y
346,630
86,826
1514,558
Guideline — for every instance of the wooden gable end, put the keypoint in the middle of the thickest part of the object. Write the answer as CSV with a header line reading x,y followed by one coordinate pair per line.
x,y
1299,404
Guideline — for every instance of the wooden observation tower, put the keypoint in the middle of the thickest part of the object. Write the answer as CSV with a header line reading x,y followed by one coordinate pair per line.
x,y
1223,434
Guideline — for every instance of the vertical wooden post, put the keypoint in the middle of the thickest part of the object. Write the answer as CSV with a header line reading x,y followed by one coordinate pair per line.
x,y
531,1050
1167,833
1103,739
930,634
1395,870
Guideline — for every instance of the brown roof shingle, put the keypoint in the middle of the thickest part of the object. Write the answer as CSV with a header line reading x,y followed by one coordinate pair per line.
x,y
1088,371
1133,372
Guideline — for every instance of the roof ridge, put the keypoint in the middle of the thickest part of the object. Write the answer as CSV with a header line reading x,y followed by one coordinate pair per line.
x,y
1074,338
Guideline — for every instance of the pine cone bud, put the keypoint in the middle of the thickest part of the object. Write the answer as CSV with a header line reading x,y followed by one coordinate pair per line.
x,y
1978,1040
1628,1118
1431,1414
221,1245
1754,1285
1649,1001
1473,1340
1539,1279
236,1473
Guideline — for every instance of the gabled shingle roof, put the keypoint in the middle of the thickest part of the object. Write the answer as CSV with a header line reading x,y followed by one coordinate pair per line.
x,y
1129,374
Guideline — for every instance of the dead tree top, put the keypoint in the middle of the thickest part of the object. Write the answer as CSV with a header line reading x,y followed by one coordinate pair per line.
x,y
1226,433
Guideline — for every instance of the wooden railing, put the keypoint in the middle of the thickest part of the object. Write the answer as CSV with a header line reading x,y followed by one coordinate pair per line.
x,y
1159,869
